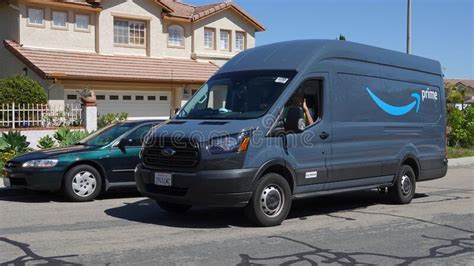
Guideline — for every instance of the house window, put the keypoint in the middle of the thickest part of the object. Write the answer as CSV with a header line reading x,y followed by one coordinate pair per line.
x,y
239,41
225,37
113,97
82,22
209,38
35,16
127,98
100,97
129,32
139,98
163,98
59,19
72,97
175,36
151,98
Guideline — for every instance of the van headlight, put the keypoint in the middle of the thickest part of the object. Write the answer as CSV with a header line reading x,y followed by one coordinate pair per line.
x,y
232,143
44,163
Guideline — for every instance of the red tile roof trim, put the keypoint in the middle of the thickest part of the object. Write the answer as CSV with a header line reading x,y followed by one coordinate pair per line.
x,y
65,65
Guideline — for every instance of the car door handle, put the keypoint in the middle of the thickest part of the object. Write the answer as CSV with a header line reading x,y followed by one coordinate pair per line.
x,y
324,135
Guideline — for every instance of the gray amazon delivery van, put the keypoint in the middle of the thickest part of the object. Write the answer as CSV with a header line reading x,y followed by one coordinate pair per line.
x,y
300,119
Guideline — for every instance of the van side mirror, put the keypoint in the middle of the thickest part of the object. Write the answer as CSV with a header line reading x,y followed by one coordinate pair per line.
x,y
124,143
294,120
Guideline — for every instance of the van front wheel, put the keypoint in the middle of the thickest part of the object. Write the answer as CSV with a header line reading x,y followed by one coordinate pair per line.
x,y
403,190
270,202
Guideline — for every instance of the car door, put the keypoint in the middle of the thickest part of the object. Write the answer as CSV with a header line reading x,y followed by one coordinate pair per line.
x,y
307,151
123,161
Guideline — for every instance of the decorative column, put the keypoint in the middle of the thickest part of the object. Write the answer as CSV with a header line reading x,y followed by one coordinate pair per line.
x,y
89,109
89,117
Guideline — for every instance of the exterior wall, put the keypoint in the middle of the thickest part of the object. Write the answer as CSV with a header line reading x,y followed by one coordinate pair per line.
x,y
47,37
138,10
179,52
9,18
225,20
11,65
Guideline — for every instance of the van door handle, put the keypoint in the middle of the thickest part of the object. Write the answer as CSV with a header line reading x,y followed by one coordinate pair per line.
x,y
324,135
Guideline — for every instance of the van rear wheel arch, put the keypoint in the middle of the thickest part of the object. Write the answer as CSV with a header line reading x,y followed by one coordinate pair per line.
x,y
277,166
412,161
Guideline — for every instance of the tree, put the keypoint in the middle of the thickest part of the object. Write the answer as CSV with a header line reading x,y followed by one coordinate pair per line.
x,y
341,37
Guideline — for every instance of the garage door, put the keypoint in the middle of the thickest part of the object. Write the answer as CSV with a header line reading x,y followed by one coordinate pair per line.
x,y
138,104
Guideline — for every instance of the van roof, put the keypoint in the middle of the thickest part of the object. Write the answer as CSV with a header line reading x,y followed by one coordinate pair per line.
x,y
296,55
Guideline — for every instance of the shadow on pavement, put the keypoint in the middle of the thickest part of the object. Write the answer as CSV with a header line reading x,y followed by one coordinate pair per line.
x,y
147,211
31,257
31,196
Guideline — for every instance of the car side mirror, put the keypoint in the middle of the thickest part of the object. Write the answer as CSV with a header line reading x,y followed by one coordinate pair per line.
x,y
294,120
124,143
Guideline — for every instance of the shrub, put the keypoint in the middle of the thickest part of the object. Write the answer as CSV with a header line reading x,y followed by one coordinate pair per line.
x,y
110,118
21,90
46,142
66,137
461,127
14,141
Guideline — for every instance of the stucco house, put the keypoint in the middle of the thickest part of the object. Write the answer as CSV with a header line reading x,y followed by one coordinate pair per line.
x,y
144,57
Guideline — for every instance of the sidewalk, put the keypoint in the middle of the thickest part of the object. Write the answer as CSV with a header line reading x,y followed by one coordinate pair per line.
x,y
466,161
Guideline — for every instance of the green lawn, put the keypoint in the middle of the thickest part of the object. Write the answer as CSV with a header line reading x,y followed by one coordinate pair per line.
x,y
457,152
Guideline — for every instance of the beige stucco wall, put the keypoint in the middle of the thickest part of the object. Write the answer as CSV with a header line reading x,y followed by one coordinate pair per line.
x,y
178,52
225,20
139,10
9,22
47,37
10,65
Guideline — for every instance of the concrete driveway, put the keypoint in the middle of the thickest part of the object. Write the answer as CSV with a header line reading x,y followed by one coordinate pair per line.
x,y
363,227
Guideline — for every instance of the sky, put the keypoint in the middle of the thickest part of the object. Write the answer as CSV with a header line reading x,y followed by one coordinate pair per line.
x,y
441,29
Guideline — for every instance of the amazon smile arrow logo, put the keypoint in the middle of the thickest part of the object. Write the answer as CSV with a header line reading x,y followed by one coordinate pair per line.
x,y
397,110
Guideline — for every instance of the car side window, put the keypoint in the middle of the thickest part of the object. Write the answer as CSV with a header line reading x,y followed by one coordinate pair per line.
x,y
138,134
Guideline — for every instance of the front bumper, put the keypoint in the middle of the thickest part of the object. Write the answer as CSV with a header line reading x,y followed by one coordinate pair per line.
x,y
217,188
36,179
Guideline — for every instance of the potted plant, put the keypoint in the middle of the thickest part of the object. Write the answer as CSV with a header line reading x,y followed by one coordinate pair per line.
x,y
87,97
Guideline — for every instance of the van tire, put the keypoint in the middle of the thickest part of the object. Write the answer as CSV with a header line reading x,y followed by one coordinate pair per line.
x,y
82,183
270,202
403,189
173,207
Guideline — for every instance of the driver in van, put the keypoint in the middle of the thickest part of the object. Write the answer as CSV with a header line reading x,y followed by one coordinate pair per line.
x,y
299,100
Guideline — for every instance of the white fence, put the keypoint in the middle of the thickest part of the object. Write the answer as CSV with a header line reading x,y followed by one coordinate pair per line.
x,y
39,115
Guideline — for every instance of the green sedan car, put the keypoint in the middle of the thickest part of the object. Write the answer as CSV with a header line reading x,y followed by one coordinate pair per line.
x,y
106,159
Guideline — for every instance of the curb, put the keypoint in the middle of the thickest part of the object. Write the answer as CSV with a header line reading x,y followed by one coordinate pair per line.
x,y
465,161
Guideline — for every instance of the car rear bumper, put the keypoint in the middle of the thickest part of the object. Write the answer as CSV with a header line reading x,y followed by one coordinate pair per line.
x,y
44,179
222,188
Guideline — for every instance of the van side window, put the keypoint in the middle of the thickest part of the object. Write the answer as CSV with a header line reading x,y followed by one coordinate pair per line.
x,y
308,96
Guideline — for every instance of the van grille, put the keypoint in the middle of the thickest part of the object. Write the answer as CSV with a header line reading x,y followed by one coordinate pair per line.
x,y
167,153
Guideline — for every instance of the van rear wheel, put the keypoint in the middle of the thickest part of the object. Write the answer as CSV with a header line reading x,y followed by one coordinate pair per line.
x,y
270,202
403,190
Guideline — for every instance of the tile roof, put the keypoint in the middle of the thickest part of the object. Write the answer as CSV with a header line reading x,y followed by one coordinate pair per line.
x,y
194,13
93,66
465,82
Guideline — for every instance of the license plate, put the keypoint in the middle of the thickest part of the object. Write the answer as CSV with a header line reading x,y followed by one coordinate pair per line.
x,y
163,179
6,182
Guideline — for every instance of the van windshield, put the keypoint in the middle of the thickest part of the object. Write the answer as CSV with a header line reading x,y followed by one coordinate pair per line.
x,y
237,95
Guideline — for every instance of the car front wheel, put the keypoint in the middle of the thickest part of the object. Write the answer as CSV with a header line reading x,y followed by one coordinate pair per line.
x,y
82,183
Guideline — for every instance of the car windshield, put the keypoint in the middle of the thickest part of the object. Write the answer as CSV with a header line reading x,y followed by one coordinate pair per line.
x,y
107,134
237,95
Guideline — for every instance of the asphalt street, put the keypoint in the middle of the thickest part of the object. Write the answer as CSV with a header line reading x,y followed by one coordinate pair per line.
x,y
123,228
